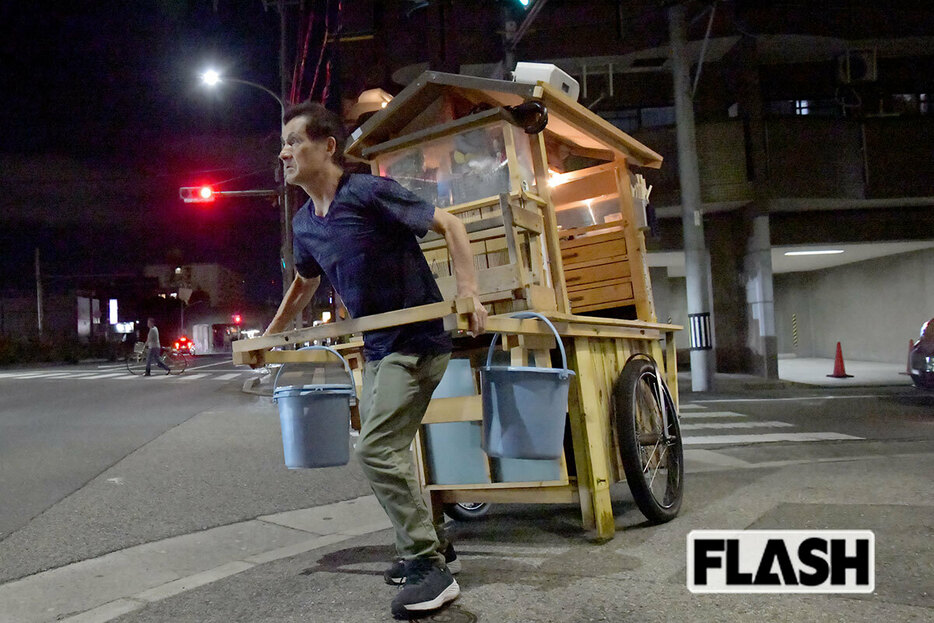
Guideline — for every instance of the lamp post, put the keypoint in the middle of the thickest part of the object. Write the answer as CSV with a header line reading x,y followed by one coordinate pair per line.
x,y
212,78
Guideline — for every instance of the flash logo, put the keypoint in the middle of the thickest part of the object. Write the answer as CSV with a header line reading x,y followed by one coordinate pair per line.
x,y
781,561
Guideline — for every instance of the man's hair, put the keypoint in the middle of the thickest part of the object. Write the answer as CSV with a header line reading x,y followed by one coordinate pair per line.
x,y
319,123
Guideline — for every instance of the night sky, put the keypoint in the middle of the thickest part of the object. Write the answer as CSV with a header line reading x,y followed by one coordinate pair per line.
x,y
104,117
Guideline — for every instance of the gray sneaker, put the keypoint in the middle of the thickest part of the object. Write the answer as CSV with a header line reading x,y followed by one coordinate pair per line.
x,y
427,587
395,574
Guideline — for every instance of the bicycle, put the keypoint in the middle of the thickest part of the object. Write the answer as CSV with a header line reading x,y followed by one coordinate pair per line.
x,y
136,361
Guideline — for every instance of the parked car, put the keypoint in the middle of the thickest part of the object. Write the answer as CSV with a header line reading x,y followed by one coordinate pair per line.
x,y
184,345
921,358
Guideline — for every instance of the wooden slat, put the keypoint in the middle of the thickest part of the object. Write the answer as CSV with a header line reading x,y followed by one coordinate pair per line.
x,y
506,492
592,274
457,409
635,241
489,280
348,327
556,264
617,292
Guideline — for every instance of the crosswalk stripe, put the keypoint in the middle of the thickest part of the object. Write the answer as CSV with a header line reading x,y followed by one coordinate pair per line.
x,y
763,438
192,377
726,425
712,414
692,407
228,376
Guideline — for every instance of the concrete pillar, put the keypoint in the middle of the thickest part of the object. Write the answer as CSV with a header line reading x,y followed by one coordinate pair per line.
x,y
761,342
696,258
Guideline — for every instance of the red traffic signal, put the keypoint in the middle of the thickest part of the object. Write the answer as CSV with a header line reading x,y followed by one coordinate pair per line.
x,y
237,318
196,194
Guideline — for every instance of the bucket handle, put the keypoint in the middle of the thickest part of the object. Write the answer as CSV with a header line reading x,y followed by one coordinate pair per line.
x,y
330,350
531,314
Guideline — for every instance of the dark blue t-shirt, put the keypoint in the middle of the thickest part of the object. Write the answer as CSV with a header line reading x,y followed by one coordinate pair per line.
x,y
367,247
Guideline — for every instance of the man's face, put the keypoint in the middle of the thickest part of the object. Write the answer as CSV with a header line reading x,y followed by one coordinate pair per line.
x,y
303,159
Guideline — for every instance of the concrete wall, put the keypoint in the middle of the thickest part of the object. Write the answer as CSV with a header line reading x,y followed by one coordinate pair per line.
x,y
873,308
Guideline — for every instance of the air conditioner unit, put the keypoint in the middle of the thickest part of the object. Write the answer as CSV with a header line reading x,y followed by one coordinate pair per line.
x,y
857,66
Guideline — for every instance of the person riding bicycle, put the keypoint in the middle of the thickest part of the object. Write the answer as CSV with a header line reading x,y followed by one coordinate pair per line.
x,y
154,348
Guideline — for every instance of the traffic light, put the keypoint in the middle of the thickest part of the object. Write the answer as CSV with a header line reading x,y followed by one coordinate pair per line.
x,y
237,318
196,194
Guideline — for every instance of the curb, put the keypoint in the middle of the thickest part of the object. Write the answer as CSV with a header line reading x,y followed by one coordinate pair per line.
x,y
103,588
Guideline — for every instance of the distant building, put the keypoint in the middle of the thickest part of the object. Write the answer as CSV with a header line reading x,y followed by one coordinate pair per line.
x,y
223,286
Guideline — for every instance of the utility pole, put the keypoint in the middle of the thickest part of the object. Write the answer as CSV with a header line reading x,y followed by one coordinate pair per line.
x,y
696,257
38,294
286,217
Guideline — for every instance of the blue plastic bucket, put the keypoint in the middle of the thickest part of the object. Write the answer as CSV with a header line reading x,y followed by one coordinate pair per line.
x,y
524,408
315,418
452,449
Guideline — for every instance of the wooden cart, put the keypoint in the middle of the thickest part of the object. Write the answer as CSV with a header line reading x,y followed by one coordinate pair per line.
x,y
553,229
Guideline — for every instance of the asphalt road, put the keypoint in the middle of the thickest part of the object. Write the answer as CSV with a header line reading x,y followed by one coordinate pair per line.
x,y
61,426
99,463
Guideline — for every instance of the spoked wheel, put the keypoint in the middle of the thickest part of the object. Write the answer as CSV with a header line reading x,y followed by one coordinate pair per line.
x,y
177,362
467,511
136,363
653,462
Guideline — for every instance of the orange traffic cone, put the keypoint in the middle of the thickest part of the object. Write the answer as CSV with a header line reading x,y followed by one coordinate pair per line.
x,y
839,372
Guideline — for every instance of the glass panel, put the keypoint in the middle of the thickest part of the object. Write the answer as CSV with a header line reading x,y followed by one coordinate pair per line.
x,y
454,169
524,154
590,213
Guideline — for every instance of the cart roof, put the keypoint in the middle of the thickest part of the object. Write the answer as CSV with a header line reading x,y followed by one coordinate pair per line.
x,y
430,101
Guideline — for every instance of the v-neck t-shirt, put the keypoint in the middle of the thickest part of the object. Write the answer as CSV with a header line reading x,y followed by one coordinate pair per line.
x,y
367,247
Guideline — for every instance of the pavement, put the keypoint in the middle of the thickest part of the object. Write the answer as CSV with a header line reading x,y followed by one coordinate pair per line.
x,y
523,563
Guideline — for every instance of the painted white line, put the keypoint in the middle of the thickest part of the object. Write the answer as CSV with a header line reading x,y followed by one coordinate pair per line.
x,y
711,414
228,376
724,425
192,377
690,406
799,398
763,438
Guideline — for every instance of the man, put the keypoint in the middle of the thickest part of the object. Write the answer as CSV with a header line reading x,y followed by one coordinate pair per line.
x,y
153,348
360,231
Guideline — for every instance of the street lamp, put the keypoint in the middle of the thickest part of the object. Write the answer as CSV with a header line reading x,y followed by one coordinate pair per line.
x,y
212,78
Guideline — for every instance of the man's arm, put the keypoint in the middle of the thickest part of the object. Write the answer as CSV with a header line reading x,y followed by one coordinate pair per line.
x,y
295,300
455,235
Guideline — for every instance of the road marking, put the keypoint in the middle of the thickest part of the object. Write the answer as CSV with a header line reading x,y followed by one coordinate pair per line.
x,y
725,425
228,376
690,406
192,377
764,438
711,414
799,398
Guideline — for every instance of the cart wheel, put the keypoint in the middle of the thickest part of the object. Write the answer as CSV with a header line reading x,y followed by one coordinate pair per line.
x,y
654,466
467,511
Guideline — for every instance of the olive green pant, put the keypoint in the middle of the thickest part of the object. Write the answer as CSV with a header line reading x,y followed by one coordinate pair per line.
x,y
396,392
